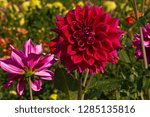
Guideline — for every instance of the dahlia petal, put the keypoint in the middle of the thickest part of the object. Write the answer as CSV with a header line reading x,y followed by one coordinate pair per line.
x,y
29,47
112,57
18,57
107,45
101,36
70,17
54,46
12,78
59,18
76,58
20,87
94,11
8,66
90,51
65,31
53,43
46,62
147,43
71,50
148,27
8,83
36,85
74,26
78,14
101,69
85,12
113,22
88,59
92,70
39,49
33,59
83,66
116,44
45,74
105,18
138,53
101,27
101,56
60,21
148,57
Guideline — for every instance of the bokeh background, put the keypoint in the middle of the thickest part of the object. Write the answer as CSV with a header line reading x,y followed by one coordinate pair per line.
x,y
24,19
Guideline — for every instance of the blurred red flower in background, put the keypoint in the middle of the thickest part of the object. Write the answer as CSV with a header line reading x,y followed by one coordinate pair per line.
x,y
130,20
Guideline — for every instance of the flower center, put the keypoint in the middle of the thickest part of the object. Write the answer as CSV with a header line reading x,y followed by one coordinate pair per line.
x,y
28,73
84,37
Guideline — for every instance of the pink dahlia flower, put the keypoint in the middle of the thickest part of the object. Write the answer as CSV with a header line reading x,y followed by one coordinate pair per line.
x,y
137,43
28,63
87,38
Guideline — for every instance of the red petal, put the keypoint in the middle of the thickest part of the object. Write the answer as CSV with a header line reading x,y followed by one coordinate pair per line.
x,y
71,50
100,36
107,45
76,58
100,56
70,16
88,59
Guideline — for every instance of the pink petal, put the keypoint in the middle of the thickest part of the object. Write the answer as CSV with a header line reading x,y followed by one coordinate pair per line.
x,y
147,43
8,66
8,83
29,47
33,59
12,78
45,74
20,87
46,62
18,57
37,85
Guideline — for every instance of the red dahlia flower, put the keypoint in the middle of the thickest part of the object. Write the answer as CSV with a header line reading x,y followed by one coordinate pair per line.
x,y
28,63
87,39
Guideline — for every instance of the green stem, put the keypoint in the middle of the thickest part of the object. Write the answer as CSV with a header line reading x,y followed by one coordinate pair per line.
x,y
85,79
76,74
79,88
143,49
86,87
30,89
141,94
149,93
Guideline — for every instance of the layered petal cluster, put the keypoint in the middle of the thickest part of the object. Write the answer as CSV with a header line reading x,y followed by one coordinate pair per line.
x,y
137,43
28,62
87,38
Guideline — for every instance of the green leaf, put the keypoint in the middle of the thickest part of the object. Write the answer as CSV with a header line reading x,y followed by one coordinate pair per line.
x,y
146,83
124,56
65,82
108,84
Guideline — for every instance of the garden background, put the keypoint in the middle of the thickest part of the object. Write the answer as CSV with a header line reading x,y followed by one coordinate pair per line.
x,y
21,20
